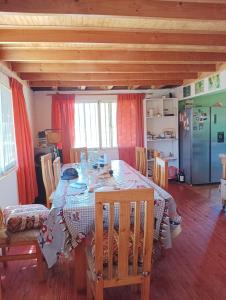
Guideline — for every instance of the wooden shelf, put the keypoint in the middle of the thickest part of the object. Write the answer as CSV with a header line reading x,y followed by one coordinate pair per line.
x,y
157,125
167,158
156,117
162,140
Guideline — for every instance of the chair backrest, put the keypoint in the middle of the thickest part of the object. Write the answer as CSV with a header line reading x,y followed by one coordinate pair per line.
x,y
2,225
56,170
47,174
75,154
156,153
141,160
160,175
141,203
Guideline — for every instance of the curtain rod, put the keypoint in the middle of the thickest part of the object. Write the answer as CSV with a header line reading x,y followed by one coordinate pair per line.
x,y
114,92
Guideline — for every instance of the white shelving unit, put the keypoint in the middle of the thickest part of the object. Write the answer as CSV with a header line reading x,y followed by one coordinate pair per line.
x,y
161,129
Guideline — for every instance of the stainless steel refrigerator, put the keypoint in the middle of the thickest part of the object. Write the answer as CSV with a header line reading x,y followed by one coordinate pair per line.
x,y
202,137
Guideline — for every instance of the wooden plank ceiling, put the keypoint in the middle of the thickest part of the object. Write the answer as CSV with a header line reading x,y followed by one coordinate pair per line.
x,y
112,44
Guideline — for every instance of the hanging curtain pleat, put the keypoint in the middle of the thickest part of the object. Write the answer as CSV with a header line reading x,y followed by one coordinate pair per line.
x,y
63,107
27,184
130,126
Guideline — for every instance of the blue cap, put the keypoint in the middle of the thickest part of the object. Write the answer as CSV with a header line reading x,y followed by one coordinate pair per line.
x,y
69,174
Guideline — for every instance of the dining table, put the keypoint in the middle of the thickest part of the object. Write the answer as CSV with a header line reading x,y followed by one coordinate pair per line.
x,y
72,215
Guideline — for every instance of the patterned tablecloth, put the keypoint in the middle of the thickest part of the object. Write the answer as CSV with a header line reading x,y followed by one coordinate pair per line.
x,y
73,211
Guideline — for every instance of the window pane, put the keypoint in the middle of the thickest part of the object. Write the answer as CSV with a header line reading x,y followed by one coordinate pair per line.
x,y
108,124
86,125
7,139
114,125
92,126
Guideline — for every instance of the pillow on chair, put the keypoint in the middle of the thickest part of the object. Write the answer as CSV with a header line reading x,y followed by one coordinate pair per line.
x,y
24,217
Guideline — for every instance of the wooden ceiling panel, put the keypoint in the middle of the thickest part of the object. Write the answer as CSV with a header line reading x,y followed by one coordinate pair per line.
x,y
110,68
138,8
110,56
40,21
105,77
111,37
109,46
58,83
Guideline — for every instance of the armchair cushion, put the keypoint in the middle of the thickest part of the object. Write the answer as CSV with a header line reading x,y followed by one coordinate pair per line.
x,y
24,217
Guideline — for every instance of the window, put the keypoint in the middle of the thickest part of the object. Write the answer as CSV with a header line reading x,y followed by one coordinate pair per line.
x,y
95,125
7,137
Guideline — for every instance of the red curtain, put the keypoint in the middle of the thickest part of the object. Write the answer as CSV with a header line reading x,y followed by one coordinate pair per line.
x,y
27,184
130,126
63,107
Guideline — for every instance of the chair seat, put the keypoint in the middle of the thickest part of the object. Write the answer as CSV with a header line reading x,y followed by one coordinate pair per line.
x,y
24,217
27,236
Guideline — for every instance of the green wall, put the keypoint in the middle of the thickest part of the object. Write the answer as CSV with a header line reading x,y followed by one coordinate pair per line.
x,y
205,100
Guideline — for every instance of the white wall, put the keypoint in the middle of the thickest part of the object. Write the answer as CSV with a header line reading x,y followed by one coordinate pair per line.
x,y
8,183
42,112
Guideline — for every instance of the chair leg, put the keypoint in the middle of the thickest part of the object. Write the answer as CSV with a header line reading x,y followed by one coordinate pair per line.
x,y
89,293
40,265
3,254
99,290
145,288
0,288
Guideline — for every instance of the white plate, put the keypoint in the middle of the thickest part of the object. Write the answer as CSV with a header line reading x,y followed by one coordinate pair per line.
x,y
78,185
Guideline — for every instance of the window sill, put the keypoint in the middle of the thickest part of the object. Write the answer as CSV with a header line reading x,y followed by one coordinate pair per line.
x,y
9,172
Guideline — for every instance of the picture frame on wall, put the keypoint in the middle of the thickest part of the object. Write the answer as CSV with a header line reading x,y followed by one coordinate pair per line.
x,y
199,87
186,91
214,82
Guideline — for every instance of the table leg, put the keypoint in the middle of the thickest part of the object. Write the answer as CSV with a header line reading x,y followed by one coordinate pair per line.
x,y
80,267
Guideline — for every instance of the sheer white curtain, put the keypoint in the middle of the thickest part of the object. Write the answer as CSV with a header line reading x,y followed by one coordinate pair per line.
x,y
7,137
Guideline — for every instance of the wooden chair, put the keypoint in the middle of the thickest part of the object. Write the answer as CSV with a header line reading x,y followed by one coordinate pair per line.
x,y
155,154
75,154
47,176
20,239
122,273
141,160
56,170
160,174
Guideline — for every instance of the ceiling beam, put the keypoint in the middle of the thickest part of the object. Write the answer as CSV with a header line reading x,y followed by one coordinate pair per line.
x,y
138,8
99,76
109,56
51,83
109,68
112,37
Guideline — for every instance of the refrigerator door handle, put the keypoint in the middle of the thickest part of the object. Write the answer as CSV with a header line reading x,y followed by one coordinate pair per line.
x,y
215,119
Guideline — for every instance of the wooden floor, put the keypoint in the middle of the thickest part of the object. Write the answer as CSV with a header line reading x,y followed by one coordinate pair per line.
x,y
195,268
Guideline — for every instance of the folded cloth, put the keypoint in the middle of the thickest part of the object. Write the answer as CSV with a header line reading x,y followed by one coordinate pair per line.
x,y
69,174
